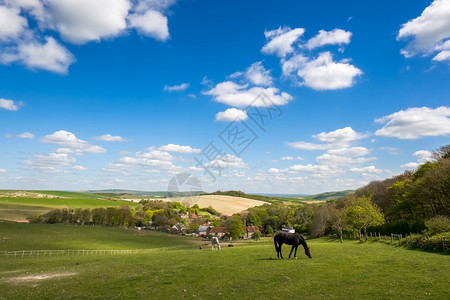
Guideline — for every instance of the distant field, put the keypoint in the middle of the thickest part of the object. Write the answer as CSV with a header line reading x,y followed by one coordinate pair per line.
x,y
18,205
226,205
249,271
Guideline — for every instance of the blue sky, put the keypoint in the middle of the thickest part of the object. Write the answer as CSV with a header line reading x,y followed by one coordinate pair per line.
x,y
258,96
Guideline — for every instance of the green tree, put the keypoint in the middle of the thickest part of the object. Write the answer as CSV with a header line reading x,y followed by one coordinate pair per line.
x,y
363,214
256,235
236,227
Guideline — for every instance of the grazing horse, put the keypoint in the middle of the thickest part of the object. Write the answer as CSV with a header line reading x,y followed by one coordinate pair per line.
x,y
293,239
215,243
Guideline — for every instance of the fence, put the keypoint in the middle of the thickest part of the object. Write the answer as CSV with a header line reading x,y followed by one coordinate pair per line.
x,y
48,253
384,238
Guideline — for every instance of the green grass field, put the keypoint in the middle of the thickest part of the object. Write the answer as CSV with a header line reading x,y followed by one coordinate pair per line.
x,y
249,270
14,207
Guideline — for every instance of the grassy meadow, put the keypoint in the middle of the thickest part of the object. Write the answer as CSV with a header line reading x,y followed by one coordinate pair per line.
x,y
249,270
18,205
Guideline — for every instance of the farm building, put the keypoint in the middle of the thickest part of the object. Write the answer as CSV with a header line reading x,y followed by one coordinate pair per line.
x,y
218,231
178,229
249,231
203,231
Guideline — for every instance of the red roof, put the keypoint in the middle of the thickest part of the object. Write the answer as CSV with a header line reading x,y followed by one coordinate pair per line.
x,y
251,228
218,230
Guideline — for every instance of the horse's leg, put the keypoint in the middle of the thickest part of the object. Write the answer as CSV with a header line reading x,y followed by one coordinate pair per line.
x,y
279,249
292,249
295,253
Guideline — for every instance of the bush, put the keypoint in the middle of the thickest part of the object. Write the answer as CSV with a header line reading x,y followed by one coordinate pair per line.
x,y
439,242
438,224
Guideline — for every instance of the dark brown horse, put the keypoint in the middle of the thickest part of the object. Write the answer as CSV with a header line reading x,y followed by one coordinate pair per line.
x,y
293,239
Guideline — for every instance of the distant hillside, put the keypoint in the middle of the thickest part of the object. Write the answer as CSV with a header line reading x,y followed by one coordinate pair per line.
x,y
329,195
119,192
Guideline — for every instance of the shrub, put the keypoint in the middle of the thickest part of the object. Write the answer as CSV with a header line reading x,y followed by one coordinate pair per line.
x,y
438,224
439,242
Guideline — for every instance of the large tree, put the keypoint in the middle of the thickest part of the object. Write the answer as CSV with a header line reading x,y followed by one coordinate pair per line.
x,y
363,214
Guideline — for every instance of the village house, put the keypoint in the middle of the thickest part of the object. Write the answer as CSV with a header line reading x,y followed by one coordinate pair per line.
x,y
249,231
220,232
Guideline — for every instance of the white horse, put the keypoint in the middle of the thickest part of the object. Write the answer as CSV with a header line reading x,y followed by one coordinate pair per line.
x,y
215,243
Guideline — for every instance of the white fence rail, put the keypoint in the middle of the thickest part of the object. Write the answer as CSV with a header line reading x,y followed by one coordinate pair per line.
x,y
47,253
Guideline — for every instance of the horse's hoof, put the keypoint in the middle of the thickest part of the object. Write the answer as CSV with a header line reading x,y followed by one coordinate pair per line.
x,y
295,257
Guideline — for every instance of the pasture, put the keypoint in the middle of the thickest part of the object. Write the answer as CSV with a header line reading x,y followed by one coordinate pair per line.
x,y
18,205
249,270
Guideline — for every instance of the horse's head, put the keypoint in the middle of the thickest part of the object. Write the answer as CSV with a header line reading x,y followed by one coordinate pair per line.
x,y
307,252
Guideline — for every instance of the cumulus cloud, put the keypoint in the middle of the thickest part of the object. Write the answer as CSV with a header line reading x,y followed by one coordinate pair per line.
x,y
323,73
342,136
231,114
27,27
12,24
79,168
3,171
109,138
258,75
279,41
236,95
336,140
227,161
333,37
307,68
82,21
50,56
176,88
429,32
424,155
152,24
410,165
416,122
341,160
10,104
179,149
70,143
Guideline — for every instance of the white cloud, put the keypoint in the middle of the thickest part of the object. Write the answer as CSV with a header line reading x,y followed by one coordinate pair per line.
x,y
416,122
258,75
442,56
10,104
280,40
50,162
353,151
11,23
410,165
343,136
159,5
339,160
50,56
231,114
233,94
176,88
291,158
109,138
428,32
337,140
79,168
334,37
369,169
83,21
309,168
70,143
424,155
307,146
323,73
179,149
152,24
3,171
26,135
227,161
